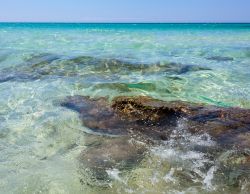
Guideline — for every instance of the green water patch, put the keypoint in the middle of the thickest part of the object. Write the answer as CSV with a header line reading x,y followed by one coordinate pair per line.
x,y
126,87
215,102
3,57
247,53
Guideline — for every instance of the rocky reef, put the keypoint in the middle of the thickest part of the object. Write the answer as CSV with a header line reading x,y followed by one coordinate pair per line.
x,y
155,118
132,124
46,65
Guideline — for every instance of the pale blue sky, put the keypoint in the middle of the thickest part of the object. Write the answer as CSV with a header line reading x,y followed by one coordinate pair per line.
x,y
125,10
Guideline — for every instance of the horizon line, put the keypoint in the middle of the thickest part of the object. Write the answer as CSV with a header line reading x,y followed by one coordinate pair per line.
x,y
128,22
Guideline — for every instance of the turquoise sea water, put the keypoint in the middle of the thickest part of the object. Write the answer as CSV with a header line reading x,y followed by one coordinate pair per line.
x,y
42,63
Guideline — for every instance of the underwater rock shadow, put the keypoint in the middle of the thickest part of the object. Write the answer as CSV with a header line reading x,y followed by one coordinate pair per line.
x,y
27,70
220,58
47,65
20,77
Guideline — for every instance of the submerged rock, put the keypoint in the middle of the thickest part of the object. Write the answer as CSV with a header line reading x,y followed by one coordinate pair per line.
x,y
6,76
234,166
220,58
121,153
138,122
47,65
41,59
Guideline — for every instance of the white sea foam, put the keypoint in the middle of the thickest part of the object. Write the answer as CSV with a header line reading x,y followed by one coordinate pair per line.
x,y
114,174
169,177
209,177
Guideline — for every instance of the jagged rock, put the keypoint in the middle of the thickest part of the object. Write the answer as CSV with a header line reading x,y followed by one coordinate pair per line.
x,y
154,118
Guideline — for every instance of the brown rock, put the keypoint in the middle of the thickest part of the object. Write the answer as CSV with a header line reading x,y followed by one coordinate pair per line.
x,y
148,121
154,119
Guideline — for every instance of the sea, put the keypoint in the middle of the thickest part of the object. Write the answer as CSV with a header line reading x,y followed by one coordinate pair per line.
x,y
43,63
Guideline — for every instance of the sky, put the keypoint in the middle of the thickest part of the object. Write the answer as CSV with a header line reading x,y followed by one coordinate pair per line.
x,y
125,10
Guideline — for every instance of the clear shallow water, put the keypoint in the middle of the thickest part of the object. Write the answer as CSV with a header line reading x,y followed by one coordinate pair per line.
x,y
40,64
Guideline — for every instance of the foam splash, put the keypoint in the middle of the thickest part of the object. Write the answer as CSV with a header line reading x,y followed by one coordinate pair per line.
x,y
209,177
